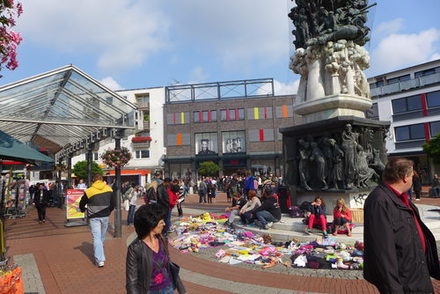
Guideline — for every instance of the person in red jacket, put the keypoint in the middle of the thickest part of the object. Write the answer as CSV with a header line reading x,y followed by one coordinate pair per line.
x,y
341,217
173,195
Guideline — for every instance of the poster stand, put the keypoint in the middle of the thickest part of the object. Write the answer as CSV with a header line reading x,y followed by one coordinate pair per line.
x,y
74,217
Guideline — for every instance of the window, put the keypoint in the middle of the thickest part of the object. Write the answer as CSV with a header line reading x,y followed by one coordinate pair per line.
x,y
206,143
143,99
234,142
205,116
373,112
380,84
178,139
433,99
177,118
435,128
284,111
398,79
260,113
232,114
142,153
407,104
261,135
143,134
95,156
427,72
109,100
412,132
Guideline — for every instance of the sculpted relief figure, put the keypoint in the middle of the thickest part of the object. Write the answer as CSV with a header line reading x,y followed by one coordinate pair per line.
x,y
303,163
319,165
349,144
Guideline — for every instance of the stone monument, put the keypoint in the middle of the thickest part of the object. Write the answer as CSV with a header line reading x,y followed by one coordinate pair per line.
x,y
336,152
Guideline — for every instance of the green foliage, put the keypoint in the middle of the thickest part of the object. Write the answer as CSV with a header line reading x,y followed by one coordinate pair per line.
x,y
146,117
432,148
208,168
80,169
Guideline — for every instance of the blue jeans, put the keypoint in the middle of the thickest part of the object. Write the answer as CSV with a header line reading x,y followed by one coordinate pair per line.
x,y
265,216
167,290
168,220
130,217
98,226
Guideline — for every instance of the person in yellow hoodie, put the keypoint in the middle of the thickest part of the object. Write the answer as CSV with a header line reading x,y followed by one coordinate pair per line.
x,y
100,201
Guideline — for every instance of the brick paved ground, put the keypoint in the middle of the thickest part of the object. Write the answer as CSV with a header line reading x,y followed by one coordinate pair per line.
x,y
64,259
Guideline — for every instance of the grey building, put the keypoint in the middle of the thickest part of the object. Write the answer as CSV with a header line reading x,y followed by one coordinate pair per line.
x,y
234,124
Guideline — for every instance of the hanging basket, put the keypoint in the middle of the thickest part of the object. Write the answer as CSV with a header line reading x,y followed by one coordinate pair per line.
x,y
116,158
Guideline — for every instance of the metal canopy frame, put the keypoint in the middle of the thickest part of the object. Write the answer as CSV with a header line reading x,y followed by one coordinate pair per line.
x,y
65,106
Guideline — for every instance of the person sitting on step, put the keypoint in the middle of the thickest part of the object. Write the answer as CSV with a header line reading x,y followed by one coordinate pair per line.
x,y
317,213
341,217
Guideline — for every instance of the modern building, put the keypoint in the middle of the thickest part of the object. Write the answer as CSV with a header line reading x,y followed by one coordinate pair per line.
x,y
410,99
234,124
146,143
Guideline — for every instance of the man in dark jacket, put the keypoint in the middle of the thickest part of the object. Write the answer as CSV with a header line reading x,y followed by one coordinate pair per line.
x,y
100,201
163,200
41,201
400,251
269,212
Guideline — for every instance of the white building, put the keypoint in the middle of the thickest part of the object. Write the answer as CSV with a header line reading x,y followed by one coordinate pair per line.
x,y
146,143
410,99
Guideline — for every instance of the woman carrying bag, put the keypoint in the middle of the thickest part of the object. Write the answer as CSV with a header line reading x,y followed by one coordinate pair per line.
x,y
148,265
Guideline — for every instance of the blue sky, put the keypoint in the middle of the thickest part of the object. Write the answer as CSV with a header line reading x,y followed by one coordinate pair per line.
x,y
146,43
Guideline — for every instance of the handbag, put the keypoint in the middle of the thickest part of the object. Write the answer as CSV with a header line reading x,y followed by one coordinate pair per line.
x,y
126,204
174,271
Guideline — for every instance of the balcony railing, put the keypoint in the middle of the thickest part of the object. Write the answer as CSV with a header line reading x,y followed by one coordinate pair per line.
x,y
146,125
406,85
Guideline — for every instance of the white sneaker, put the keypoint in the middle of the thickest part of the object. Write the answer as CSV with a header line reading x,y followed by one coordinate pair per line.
x,y
270,224
101,264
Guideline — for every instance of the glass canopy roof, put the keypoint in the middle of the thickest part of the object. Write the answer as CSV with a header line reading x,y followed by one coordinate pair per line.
x,y
64,106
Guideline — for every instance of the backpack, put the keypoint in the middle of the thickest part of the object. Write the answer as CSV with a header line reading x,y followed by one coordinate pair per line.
x,y
151,195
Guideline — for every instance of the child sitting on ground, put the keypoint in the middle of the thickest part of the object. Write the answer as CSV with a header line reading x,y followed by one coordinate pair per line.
x,y
341,217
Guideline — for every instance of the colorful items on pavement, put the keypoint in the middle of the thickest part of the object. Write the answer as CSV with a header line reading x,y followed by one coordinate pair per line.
x,y
207,231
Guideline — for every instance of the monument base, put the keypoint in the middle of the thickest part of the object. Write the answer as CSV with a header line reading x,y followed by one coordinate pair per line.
x,y
333,106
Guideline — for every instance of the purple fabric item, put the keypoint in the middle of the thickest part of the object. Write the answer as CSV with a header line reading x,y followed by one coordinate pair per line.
x,y
160,277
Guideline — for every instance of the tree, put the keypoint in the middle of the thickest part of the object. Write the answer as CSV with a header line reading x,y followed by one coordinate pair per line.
x,y
208,168
80,169
9,39
432,148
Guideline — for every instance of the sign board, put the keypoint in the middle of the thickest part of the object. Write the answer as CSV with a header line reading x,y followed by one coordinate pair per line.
x,y
73,196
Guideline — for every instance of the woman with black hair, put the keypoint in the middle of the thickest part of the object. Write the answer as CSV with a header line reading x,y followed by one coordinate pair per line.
x,y
148,261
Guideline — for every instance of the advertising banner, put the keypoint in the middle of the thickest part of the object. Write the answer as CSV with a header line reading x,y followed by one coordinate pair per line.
x,y
73,196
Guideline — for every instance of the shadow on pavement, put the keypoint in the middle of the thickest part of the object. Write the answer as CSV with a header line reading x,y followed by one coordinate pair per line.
x,y
86,248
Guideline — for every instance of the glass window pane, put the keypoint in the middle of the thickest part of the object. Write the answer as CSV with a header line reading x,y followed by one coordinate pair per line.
x,y
402,133
234,142
223,114
417,132
414,103
399,105
232,114
213,115
435,128
196,116
433,99
206,143
241,113
205,116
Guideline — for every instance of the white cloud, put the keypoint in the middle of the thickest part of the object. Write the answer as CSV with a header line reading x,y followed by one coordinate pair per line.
x,y
399,50
111,83
389,27
198,75
122,33
280,88
241,33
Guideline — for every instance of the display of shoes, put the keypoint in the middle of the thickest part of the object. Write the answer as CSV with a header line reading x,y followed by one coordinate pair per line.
x,y
308,231
341,264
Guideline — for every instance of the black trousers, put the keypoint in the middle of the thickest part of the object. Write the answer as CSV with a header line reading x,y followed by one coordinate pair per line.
x,y
41,212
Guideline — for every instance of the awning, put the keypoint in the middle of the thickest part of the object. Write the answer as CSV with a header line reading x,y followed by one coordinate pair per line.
x,y
12,149
141,172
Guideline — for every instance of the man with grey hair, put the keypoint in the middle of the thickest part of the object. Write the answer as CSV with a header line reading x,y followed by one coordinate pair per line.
x,y
400,251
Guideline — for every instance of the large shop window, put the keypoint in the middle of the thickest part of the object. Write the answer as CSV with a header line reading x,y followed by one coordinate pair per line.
x,y
142,154
178,118
232,114
407,104
234,142
206,143
178,139
435,128
433,99
259,113
205,116
412,132
261,135
284,111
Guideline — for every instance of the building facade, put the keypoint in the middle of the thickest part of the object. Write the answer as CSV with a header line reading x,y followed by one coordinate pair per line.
x,y
146,143
410,99
234,124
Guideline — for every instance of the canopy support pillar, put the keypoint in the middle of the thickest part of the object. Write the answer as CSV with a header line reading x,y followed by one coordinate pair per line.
x,y
118,211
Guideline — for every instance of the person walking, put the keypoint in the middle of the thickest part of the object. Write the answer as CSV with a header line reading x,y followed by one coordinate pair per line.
x,y
203,190
417,185
41,201
436,186
163,199
400,251
132,195
100,201
148,261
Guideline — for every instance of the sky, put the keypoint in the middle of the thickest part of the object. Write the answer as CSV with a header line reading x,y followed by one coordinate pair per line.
x,y
130,44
